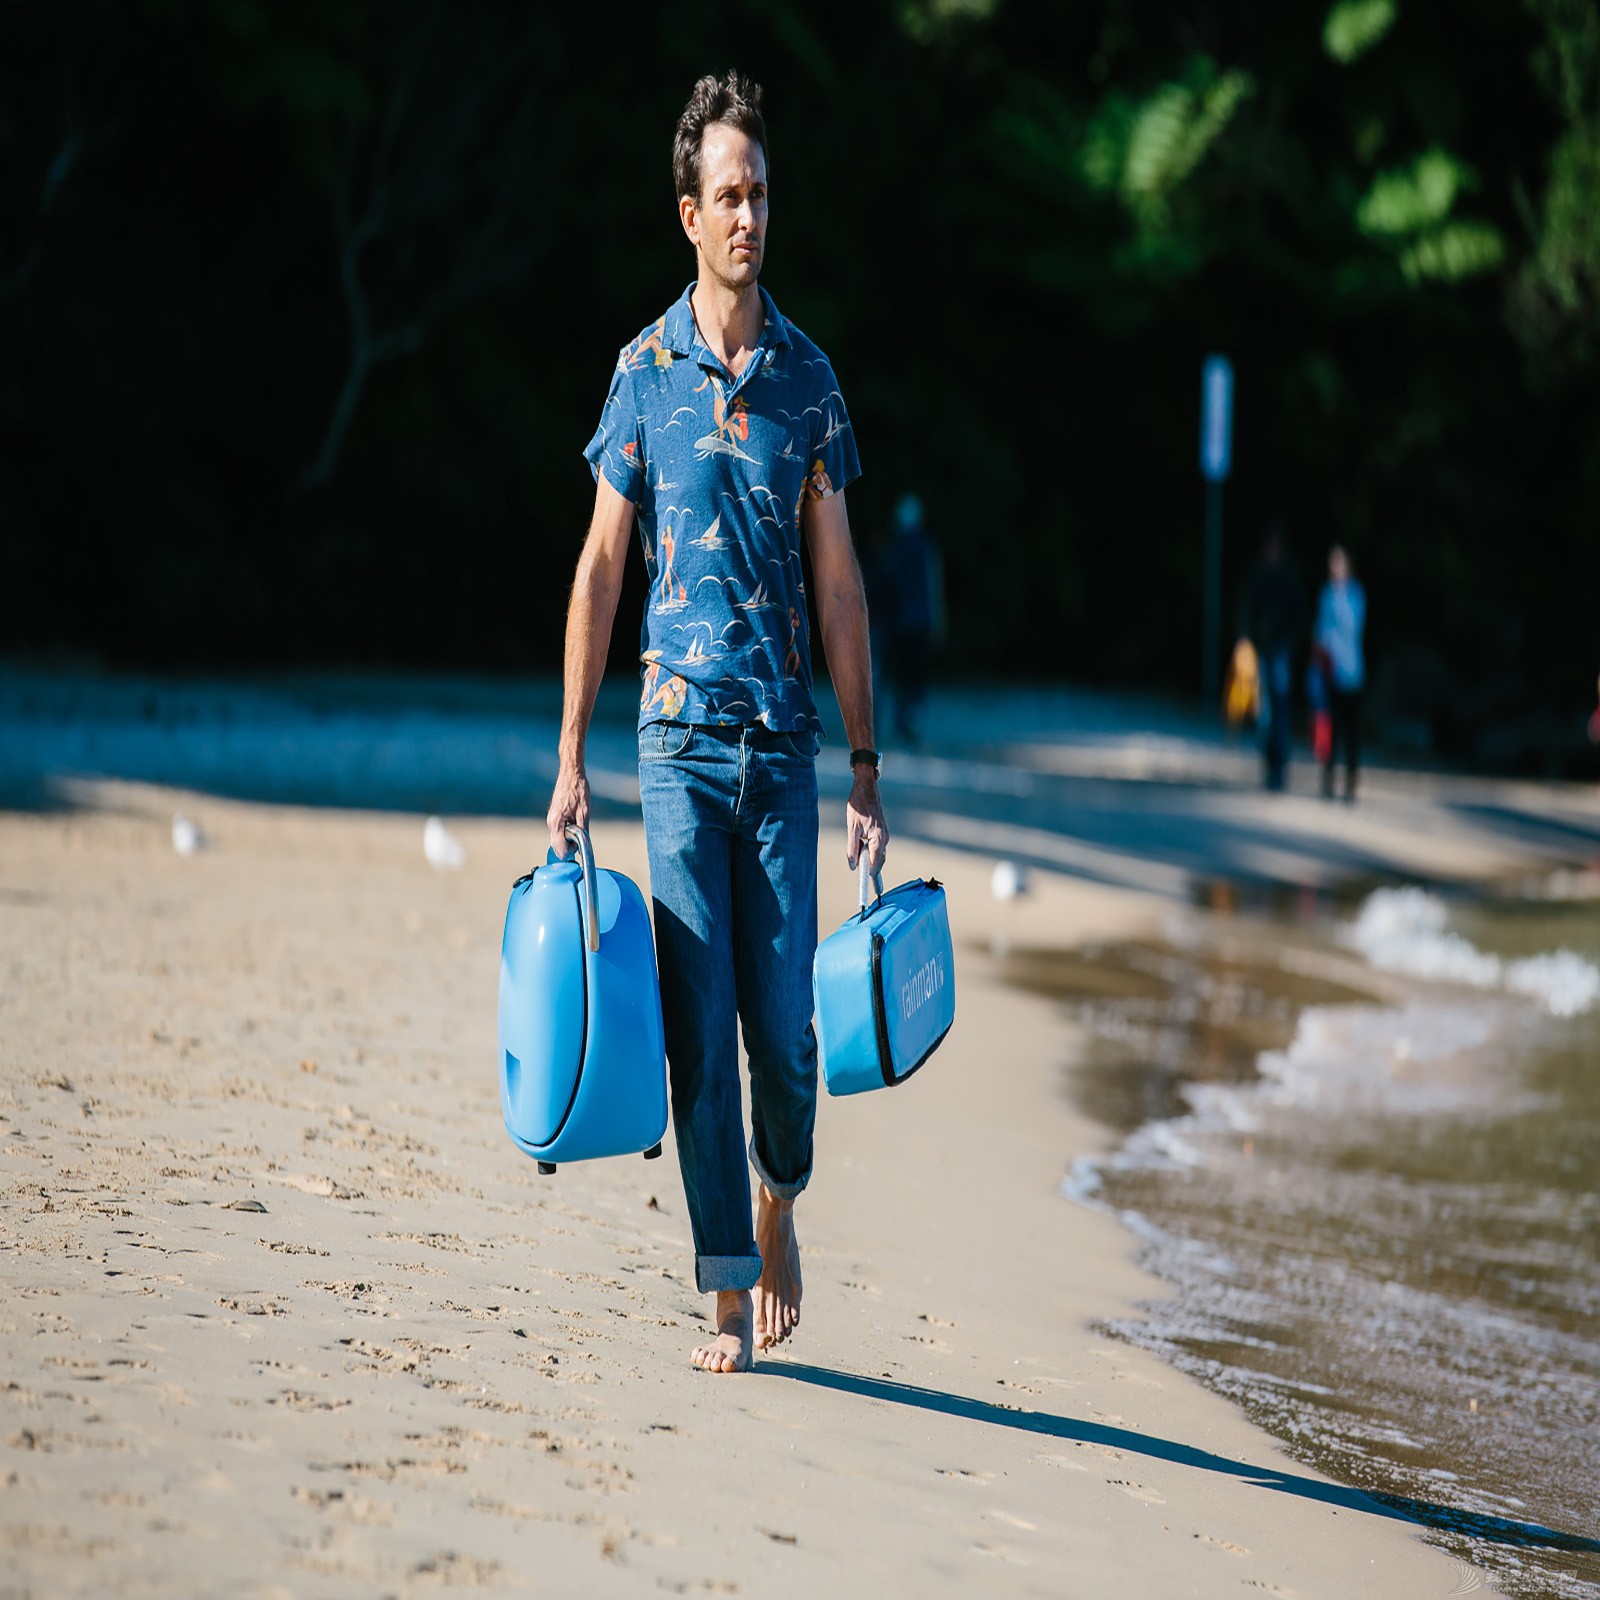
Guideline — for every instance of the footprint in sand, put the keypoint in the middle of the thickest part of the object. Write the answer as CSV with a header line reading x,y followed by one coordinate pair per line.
x,y
1223,1544
1137,1491
1013,1522
456,1571
299,1400
1000,1553
254,1305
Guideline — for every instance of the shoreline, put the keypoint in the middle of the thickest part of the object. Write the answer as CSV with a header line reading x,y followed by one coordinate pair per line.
x,y
269,1248
1304,1158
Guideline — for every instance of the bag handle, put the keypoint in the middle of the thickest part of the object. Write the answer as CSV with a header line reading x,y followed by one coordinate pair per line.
x,y
591,897
866,871
591,894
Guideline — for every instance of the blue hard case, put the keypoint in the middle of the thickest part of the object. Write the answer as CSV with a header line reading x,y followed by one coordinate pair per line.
x,y
884,988
583,1069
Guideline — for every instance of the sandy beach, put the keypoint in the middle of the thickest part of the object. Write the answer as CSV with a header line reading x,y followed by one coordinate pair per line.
x,y
285,1313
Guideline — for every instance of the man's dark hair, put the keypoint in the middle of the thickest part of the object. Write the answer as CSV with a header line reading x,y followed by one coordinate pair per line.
x,y
733,99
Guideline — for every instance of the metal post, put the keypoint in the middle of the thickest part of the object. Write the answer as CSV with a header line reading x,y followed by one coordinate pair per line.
x,y
1213,597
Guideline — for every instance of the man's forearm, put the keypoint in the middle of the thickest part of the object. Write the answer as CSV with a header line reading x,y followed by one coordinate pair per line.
x,y
590,614
846,637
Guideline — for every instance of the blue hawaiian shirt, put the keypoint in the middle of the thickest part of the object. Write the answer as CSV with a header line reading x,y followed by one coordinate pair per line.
x,y
719,468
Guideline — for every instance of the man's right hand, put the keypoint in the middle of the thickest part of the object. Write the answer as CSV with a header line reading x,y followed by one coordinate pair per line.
x,y
569,803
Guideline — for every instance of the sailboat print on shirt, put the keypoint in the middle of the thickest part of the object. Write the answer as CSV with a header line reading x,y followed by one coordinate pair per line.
x,y
711,647
759,601
711,539
833,429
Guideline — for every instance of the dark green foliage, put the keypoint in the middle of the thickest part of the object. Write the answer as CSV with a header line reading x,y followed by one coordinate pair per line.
x,y
307,309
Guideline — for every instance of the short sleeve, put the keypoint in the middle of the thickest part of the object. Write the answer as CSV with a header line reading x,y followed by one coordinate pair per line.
x,y
834,462
617,448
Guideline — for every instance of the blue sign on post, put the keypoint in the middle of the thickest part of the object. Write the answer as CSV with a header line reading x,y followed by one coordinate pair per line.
x,y
1216,419
1216,461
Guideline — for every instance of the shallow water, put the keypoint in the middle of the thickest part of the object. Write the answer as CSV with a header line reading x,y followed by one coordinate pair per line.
x,y
1363,1148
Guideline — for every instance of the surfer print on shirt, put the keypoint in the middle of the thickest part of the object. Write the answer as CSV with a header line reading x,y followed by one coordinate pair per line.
x,y
730,424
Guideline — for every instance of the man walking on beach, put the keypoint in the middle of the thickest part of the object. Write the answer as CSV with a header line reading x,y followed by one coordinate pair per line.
x,y
726,438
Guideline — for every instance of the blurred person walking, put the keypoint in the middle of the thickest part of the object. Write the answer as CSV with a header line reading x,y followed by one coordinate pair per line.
x,y
725,439
1272,619
1341,622
910,578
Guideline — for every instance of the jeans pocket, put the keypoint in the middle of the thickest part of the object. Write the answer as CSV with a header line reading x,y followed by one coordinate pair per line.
x,y
804,744
661,741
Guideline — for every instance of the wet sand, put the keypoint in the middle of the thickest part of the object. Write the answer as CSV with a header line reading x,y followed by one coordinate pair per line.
x,y
285,1313
1371,1197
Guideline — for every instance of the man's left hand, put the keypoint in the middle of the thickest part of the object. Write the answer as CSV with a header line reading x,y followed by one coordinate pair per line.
x,y
864,825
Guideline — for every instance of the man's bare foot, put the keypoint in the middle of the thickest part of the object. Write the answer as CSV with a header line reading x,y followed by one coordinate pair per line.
x,y
730,1350
777,1291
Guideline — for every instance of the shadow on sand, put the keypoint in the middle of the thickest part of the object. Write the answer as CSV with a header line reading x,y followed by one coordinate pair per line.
x,y
1424,1513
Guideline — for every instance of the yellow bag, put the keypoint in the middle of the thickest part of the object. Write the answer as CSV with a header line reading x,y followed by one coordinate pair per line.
x,y
1241,696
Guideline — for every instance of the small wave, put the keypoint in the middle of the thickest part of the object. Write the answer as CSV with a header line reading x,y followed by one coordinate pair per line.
x,y
1407,1059
1404,931
1566,983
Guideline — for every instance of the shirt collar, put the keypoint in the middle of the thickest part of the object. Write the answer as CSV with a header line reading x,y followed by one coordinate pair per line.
x,y
681,336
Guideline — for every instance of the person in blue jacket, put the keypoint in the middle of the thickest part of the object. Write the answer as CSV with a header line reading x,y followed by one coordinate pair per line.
x,y
1341,622
725,442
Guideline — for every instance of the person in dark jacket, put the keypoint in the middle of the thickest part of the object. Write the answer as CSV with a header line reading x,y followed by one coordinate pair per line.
x,y
908,576
1272,617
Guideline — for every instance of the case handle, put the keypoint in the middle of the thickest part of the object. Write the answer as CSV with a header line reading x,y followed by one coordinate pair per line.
x,y
591,897
866,871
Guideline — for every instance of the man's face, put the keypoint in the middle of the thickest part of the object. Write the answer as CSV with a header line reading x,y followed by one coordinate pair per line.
x,y
729,225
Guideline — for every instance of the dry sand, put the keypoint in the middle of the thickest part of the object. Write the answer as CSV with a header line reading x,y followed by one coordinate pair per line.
x,y
286,1313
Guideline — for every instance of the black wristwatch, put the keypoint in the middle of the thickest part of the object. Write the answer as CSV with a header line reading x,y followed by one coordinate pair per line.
x,y
867,758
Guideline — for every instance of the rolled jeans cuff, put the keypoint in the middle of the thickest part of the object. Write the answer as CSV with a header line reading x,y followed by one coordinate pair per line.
x,y
712,1274
782,1191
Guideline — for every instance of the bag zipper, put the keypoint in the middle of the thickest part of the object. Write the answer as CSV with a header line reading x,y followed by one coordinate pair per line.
x,y
880,1017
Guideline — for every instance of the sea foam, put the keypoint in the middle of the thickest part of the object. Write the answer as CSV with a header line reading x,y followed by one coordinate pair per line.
x,y
1405,931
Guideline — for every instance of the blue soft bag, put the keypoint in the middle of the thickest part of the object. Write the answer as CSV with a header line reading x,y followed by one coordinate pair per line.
x,y
884,987
583,1066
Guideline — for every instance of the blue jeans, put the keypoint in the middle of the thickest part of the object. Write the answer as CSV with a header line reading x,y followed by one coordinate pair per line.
x,y
730,821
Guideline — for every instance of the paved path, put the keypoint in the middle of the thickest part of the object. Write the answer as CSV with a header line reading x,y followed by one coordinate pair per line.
x,y
1118,789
